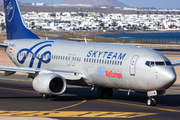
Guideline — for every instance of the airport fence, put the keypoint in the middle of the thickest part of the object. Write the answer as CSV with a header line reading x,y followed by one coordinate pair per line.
x,y
101,39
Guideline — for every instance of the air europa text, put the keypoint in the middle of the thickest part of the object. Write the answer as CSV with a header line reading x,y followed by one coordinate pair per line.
x,y
106,54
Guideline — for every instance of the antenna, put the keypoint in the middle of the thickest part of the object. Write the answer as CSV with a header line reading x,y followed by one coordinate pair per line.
x,y
85,40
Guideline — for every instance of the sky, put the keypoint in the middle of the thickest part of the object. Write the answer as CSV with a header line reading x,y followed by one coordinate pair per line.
x,y
170,4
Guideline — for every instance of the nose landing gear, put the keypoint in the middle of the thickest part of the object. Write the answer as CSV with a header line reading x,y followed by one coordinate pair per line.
x,y
151,101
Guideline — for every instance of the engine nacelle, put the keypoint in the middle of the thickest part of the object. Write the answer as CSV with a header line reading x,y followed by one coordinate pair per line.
x,y
49,83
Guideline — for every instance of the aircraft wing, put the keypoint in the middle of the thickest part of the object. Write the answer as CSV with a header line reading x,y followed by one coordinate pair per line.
x,y
175,62
9,70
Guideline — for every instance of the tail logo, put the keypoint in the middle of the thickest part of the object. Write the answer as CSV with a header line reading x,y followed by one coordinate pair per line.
x,y
9,9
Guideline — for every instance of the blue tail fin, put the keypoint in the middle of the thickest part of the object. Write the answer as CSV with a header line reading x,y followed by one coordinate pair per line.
x,y
14,25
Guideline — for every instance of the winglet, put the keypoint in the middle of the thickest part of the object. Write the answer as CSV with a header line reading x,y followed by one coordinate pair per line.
x,y
14,25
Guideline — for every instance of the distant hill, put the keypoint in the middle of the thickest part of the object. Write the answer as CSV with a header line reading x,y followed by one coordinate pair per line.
x,y
110,3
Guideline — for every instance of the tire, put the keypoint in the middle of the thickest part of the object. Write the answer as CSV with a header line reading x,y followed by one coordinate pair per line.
x,y
45,96
109,92
154,102
151,102
100,92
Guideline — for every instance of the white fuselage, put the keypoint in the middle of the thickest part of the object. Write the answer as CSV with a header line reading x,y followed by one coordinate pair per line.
x,y
106,65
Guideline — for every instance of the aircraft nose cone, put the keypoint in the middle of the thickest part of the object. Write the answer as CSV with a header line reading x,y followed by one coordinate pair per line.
x,y
169,77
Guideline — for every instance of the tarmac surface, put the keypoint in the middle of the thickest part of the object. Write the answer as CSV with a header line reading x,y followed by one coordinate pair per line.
x,y
18,100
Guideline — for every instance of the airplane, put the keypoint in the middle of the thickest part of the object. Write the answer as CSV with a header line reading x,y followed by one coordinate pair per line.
x,y
52,64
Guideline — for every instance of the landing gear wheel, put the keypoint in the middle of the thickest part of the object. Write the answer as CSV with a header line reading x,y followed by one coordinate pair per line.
x,y
151,102
109,92
45,96
100,92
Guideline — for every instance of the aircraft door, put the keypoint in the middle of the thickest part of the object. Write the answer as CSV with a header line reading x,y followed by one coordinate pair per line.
x,y
133,65
68,59
73,60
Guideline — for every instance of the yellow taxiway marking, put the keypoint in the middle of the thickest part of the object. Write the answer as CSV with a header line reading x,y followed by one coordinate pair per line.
x,y
16,79
70,106
169,110
89,114
84,100
18,90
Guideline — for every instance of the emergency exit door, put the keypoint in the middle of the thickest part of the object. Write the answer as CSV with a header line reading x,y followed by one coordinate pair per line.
x,y
133,65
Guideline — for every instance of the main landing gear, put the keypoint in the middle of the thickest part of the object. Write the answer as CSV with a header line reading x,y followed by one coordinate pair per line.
x,y
45,96
101,91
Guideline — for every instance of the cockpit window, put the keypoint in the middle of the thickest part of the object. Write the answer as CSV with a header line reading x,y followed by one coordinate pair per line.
x,y
168,63
148,63
152,64
159,63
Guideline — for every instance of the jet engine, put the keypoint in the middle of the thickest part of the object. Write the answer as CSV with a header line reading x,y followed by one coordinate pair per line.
x,y
49,83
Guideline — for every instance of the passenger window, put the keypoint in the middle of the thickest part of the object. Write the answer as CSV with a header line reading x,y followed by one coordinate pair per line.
x,y
84,59
108,62
121,63
94,60
90,60
115,62
112,62
105,62
97,60
87,60
102,61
